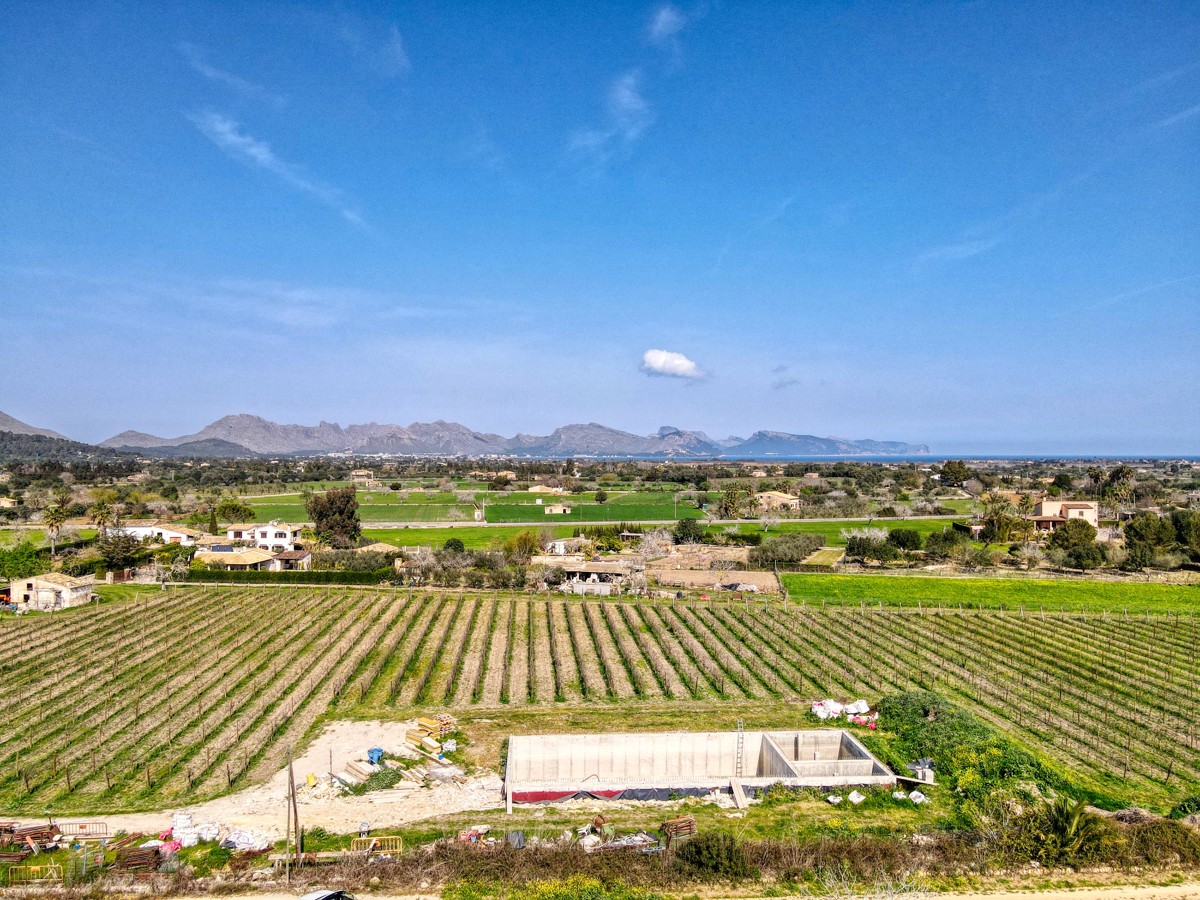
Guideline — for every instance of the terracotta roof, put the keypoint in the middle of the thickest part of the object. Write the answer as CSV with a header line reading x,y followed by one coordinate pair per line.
x,y
293,555
237,558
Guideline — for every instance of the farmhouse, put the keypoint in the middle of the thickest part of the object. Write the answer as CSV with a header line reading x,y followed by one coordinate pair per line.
x,y
599,578
274,535
564,546
51,591
163,532
557,509
9,503
543,489
553,767
777,500
362,476
1048,515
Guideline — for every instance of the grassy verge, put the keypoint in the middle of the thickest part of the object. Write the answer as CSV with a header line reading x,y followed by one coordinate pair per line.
x,y
992,593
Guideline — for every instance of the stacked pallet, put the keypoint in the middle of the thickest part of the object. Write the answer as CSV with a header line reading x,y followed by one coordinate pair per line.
x,y
134,859
36,837
674,829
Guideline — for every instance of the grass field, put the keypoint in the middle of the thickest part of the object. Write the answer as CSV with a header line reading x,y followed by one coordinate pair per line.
x,y
445,506
473,538
833,530
151,703
1031,594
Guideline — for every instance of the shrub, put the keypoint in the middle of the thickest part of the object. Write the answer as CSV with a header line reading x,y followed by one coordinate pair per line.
x,y
785,551
1072,836
904,538
714,855
1186,807
453,545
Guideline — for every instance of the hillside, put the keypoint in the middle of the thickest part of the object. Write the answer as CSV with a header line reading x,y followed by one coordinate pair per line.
x,y
16,426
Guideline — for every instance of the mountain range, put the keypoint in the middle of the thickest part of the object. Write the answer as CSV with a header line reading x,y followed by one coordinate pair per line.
x,y
247,434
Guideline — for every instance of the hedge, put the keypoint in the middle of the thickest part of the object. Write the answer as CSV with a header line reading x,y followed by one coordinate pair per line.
x,y
255,577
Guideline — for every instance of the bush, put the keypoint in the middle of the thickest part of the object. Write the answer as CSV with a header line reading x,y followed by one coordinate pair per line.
x,y
786,551
944,543
967,754
904,538
714,855
453,545
1187,807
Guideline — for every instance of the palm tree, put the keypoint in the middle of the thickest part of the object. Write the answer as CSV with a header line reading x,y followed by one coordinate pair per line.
x,y
102,516
1025,506
54,518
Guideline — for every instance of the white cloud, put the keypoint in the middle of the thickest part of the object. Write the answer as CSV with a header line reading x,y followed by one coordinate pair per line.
x,y
629,115
670,364
227,134
238,84
668,21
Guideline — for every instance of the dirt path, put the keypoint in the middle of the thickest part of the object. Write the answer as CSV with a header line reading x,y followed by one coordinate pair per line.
x,y
262,808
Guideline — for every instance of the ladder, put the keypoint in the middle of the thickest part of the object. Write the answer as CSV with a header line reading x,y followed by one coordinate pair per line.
x,y
741,746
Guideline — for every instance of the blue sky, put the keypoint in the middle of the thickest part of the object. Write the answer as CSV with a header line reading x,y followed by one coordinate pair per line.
x,y
974,225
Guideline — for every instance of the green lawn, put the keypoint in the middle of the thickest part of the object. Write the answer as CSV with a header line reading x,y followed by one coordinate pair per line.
x,y
833,530
473,538
995,593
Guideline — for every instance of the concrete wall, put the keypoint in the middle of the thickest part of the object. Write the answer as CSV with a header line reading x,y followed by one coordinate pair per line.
x,y
688,759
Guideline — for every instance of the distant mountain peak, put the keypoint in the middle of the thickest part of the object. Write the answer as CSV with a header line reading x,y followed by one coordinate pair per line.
x,y
256,435
16,426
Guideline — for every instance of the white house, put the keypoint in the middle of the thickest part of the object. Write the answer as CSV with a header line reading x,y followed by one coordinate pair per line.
x,y
51,591
163,532
275,536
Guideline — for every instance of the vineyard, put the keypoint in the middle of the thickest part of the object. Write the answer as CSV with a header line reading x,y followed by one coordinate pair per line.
x,y
183,695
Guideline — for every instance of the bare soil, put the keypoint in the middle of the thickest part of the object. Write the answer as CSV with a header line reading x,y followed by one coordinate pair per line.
x,y
262,808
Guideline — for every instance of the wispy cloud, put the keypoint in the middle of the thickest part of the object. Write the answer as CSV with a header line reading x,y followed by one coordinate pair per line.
x,y
1143,87
666,24
670,364
961,250
229,137
239,85
783,379
386,57
155,303
628,115
1146,289
1189,113
483,150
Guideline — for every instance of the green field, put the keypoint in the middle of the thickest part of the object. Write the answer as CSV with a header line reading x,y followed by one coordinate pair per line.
x,y
833,530
1031,594
473,537
482,536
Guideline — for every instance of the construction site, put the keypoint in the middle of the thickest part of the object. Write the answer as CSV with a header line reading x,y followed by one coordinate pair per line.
x,y
661,766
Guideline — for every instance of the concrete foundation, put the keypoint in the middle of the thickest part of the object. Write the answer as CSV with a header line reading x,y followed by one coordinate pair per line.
x,y
543,768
